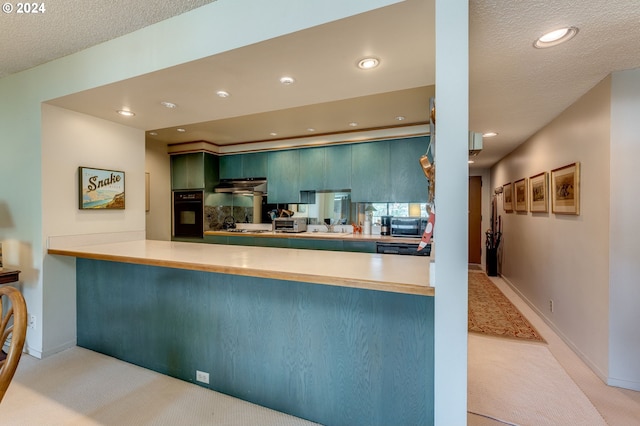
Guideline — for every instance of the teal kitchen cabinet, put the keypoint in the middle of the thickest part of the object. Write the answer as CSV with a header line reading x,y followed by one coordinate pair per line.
x,y
243,165
254,164
197,170
407,180
370,172
230,166
216,239
315,244
360,246
312,169
337,167
283,173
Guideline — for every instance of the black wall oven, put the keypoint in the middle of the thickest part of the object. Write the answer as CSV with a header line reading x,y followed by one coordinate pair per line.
x,y
188,214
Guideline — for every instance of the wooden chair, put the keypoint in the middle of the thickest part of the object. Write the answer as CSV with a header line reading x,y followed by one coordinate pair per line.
x,y
12,305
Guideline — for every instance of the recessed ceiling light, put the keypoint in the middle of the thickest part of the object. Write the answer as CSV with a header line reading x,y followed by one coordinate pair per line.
x,y
555,37
153,133
353,124
470,161
222,94
287,80
368,63
311,129
400,118
273,134
489,134
181,130
126,113
168,104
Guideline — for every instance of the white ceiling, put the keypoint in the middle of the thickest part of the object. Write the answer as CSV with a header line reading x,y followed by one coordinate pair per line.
x,y
514,88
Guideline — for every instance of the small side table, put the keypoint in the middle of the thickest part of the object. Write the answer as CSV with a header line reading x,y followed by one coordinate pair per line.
x,y
9,276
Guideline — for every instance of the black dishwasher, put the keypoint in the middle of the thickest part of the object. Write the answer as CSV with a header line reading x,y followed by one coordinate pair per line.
x,y
410,249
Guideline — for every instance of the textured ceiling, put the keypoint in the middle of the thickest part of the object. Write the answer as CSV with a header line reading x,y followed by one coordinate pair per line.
x,y
514,89
68,26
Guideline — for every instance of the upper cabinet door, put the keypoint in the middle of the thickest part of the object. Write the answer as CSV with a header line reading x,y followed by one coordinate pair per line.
x,y
337,168
282,176
254,165
238,166
370,172
187,171
312,169
408,183
230,166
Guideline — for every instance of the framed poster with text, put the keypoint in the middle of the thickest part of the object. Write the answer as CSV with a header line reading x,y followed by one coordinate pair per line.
x,y
100,189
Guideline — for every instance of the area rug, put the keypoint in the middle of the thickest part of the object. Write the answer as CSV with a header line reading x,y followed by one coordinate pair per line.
x,y
491,313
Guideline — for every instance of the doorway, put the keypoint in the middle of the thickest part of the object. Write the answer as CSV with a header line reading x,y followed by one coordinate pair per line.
x,y
475,219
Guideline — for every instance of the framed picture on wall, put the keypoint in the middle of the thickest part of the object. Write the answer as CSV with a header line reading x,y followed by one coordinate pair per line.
x,y
565,189
520,194
100,189
539,193
507,197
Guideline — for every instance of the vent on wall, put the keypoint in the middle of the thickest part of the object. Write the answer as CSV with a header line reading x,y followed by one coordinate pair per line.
x,y
475,143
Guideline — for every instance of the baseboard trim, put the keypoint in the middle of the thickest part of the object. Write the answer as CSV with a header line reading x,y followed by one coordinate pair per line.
x,y
625,384
559,332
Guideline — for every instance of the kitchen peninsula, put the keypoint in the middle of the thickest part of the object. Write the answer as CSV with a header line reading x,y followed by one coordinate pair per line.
x,y
333,337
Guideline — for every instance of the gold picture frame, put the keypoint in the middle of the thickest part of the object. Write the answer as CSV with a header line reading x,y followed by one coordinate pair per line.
x,y
565,189
539,193
520,195
507,197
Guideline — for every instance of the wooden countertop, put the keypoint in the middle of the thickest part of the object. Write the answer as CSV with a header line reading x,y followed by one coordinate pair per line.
x,y
398,274
319,235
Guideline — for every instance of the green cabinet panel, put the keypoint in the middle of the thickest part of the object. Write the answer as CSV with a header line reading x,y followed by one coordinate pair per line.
x,y
337,167
216,239
241,241
312,162
254,164
283,172
272,242
408,183
243,165
230,166
360,246
370,172
315,244
195,170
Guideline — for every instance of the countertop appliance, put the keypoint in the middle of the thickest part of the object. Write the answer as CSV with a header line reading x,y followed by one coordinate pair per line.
x,y
188,214
410,249
290,224
385,225
408,226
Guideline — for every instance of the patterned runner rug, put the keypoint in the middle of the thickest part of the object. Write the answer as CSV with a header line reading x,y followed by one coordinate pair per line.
x,y
491,313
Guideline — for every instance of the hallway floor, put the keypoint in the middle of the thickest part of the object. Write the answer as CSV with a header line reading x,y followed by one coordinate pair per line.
x,y
618,407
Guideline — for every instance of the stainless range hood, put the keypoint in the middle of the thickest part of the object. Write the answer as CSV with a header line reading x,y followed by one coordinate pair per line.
x,y
242,186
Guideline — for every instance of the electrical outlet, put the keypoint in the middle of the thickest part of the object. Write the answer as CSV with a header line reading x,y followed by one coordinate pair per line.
x,y
202,377
32,322
551,305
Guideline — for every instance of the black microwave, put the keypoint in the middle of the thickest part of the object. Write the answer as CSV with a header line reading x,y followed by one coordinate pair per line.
x,y
408,226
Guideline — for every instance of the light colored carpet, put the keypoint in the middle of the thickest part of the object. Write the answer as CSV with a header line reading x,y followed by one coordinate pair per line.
x,y
81,387
619,407
522,383
491,312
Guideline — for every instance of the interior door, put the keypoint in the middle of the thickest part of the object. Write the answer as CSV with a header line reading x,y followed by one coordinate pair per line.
x,y
475,219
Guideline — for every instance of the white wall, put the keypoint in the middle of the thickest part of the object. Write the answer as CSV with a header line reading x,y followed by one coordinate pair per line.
x,y
71,140
158,218
565,258
624,245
